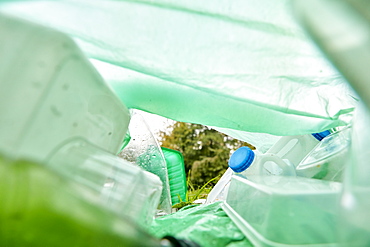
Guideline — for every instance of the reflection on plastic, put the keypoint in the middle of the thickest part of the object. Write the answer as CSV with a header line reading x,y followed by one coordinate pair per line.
x,y
144,151
111,181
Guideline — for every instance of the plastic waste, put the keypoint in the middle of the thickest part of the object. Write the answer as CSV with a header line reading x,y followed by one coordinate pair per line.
x,y
207,225
240,65
220,190
112,182
49,93
176,174
295,148
284,211
248,163
144,151
355,200
329,158
39,207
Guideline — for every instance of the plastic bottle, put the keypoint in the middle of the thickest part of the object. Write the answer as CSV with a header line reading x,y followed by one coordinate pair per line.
x,y
49,92
295,148
143,150
246,162
39,207
328,159
111,181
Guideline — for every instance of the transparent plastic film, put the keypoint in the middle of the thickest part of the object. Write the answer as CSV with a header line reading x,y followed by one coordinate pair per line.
x,y
234,65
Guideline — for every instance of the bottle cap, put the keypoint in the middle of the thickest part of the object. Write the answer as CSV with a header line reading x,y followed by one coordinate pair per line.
x,y
241,159
321,135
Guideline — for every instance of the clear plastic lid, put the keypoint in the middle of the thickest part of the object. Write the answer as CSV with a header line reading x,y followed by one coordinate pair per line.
x,y
329,146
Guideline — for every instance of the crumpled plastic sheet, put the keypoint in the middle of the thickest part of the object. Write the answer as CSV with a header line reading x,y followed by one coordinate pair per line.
x,y
244,64
207,225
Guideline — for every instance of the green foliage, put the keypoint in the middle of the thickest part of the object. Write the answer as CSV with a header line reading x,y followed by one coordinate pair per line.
x,y
206,151
193,194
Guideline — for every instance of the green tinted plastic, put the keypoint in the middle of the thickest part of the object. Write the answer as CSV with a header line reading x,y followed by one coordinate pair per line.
x,y
207,225
245,65
176,174
40,208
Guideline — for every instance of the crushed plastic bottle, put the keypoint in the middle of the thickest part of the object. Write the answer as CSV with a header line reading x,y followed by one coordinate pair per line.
x,y
112,182
49,93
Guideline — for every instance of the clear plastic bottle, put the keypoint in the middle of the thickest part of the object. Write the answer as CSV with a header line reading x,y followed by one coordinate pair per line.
x,y
112,182
295,148
50,92
39,207
246,162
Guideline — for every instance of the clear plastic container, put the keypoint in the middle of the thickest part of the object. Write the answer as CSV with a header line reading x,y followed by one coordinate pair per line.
x,y
328,159
39,207
112,182
143,150
295,148
282,211
248,163
49,92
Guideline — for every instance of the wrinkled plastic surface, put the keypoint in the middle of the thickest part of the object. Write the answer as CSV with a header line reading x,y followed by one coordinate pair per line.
x,y
207,225
235,65
143,150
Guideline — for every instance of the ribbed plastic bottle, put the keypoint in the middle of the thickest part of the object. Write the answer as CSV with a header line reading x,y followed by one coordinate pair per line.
x,y
295,148
248,163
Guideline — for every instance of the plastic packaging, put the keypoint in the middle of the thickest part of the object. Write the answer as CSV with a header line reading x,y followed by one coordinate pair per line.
x,y
49,92
284,211
208,225
248,163
39,207
176,174
240,65
143,150
220,190
111,181
295,148
355,199
329,158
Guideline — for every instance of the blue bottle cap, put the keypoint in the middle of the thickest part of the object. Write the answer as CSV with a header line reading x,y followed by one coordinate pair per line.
x,y
241,159
321,135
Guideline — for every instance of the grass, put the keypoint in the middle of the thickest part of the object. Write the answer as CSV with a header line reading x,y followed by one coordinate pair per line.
x,y
193,194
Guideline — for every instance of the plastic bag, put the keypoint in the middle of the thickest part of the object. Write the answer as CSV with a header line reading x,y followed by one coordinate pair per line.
x,y
242,65
207,225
